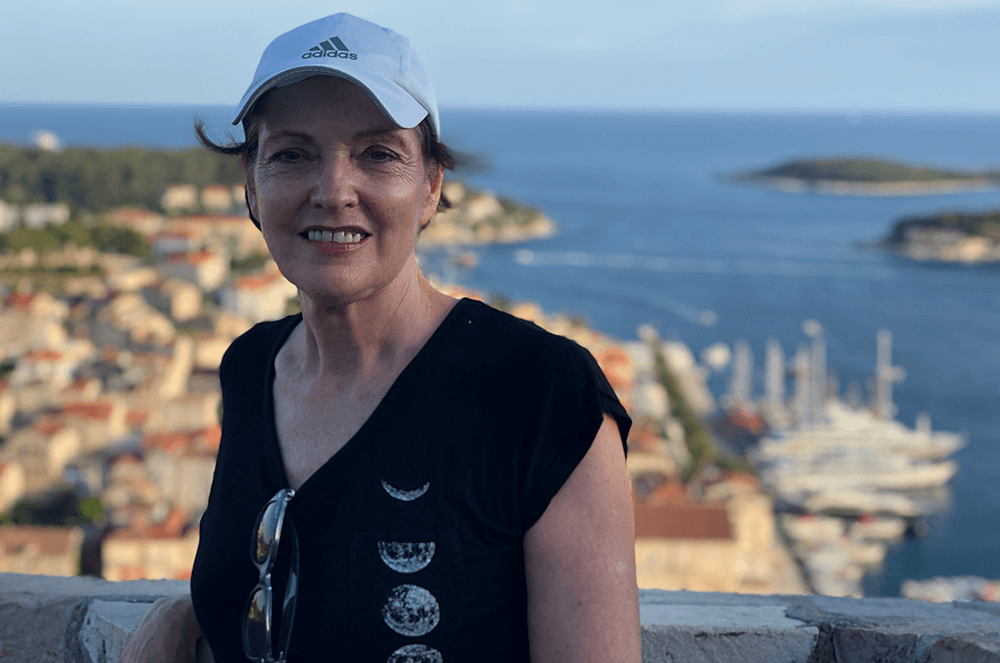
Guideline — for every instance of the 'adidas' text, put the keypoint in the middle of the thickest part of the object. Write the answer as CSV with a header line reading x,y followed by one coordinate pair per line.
x,y
330,48
329,54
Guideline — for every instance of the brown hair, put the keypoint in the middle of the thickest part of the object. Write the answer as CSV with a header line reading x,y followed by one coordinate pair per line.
x,y
435,153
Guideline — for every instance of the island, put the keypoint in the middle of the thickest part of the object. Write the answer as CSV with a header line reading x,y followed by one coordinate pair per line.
x,y
960,237
861,176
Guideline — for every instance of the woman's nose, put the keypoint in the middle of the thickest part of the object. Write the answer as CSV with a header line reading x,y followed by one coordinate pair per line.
x,y
334,185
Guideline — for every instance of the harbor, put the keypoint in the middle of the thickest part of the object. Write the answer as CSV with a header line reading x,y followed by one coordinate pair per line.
x,y
848,480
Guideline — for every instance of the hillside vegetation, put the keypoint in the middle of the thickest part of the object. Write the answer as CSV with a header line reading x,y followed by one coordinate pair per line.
x,y
982,224
98,180
866,171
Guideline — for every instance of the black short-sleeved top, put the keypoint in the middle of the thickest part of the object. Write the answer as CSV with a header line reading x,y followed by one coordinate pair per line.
x,y
410,536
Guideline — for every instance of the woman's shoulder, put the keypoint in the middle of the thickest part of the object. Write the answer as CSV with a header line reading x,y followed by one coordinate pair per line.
x,y
505,340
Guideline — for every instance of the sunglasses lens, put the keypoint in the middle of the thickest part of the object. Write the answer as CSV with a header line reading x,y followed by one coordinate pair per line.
x,y
267,526
287,616
255,627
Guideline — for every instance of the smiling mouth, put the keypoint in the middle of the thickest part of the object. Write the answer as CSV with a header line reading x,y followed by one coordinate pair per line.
x,y
338,237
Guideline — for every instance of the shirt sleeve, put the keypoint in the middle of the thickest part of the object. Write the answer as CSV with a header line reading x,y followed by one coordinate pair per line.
x,y
570,410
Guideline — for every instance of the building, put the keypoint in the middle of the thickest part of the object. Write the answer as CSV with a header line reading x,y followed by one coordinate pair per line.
x,y
8,406
142,221
217,198
53,551
179,198
725,543
234,232
10,217
206,269
175,242
41,215
130,314
181,464
165,549
12,484
99,423
258,297
43,450
179,299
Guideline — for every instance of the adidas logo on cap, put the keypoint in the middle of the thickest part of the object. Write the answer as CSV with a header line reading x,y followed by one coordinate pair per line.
x,y
330,48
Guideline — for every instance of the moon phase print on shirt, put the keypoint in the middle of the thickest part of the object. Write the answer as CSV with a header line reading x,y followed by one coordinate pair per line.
x,y
406,557
405,495
411,610
416,654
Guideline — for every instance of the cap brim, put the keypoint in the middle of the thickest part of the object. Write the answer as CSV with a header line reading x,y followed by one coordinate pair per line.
x,y
395,102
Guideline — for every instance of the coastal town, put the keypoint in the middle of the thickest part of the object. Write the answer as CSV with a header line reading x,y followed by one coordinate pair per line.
x,y
109,400
109,409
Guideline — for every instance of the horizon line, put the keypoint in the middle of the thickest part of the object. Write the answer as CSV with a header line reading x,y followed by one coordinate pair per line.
x,y
528,108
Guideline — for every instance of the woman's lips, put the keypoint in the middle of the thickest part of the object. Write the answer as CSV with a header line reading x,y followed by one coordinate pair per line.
x,y
335,241
338,236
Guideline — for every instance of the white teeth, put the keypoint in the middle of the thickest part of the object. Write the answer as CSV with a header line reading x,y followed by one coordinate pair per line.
x,y
328,236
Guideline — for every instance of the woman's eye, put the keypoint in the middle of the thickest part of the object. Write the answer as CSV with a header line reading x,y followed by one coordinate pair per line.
x,y
380,154
286,156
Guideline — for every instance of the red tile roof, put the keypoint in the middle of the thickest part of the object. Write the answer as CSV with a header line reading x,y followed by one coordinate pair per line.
x,y
43,355
171,527
191,442
255,281
19,300
135,418
193,258
48,426
680,520
170,441
48,540
95,411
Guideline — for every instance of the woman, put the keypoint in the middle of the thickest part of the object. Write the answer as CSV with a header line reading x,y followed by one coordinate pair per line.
x,y
402,477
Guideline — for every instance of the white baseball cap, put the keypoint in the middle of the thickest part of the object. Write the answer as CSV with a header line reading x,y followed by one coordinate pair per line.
x,y
380,61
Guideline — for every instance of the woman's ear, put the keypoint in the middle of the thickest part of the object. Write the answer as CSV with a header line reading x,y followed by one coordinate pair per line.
x,y
250,193
436,178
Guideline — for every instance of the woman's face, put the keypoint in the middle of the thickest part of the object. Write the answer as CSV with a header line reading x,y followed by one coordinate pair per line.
x,y
340,192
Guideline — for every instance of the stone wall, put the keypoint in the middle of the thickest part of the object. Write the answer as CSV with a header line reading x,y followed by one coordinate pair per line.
x,y
82,620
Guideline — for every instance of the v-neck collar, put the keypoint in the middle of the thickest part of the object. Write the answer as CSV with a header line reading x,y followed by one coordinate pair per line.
x,y
362,440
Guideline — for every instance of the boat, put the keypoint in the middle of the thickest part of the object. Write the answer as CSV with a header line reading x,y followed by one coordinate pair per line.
x,y
851,479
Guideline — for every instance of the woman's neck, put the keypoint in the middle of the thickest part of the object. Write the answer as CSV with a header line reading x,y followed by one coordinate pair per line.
x,y
367,338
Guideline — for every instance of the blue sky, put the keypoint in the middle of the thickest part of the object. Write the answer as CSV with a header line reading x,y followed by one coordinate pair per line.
x,y
723,55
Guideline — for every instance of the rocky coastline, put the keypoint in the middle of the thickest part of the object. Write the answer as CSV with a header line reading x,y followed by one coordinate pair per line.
x,y
479,217
832,187
951,238
866,176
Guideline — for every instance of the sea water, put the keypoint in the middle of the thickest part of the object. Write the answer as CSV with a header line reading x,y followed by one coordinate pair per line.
x,y
651,230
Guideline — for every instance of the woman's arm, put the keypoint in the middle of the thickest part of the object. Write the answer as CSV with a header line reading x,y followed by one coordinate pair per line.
x,y
167,634
583,604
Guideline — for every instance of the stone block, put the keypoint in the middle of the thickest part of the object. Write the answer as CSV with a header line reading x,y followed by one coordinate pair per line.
x,y
41,616
101,627
865,645
673,633
966,649
893,616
